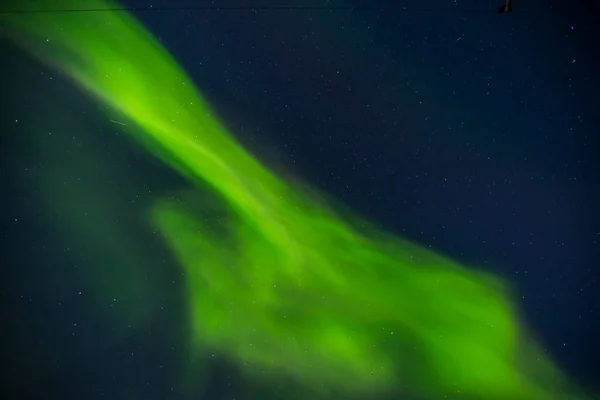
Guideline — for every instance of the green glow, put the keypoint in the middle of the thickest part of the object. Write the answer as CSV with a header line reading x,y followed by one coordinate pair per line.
x,y
284,285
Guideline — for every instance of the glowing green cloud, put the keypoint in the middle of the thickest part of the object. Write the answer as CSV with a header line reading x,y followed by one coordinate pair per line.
x,y
280,283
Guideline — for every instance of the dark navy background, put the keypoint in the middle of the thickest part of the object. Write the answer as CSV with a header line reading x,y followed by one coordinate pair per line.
x,y
470,132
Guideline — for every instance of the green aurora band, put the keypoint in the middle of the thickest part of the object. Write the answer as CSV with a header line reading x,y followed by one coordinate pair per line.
x,y
286,286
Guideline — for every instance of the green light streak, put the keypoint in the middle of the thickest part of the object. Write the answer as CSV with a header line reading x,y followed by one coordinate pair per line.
x,y
285,286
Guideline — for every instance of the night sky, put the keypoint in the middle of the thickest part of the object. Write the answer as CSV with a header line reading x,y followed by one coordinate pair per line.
x,y
473,133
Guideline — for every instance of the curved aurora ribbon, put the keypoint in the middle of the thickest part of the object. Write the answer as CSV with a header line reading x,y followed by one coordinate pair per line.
x,y
285,286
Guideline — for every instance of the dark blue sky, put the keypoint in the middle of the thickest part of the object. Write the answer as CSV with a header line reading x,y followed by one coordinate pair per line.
x,y
470,132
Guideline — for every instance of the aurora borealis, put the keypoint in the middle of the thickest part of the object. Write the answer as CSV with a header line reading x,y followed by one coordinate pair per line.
x,y
284,282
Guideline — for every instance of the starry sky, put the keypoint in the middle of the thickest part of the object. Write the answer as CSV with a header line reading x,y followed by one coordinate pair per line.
x,y
472,133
